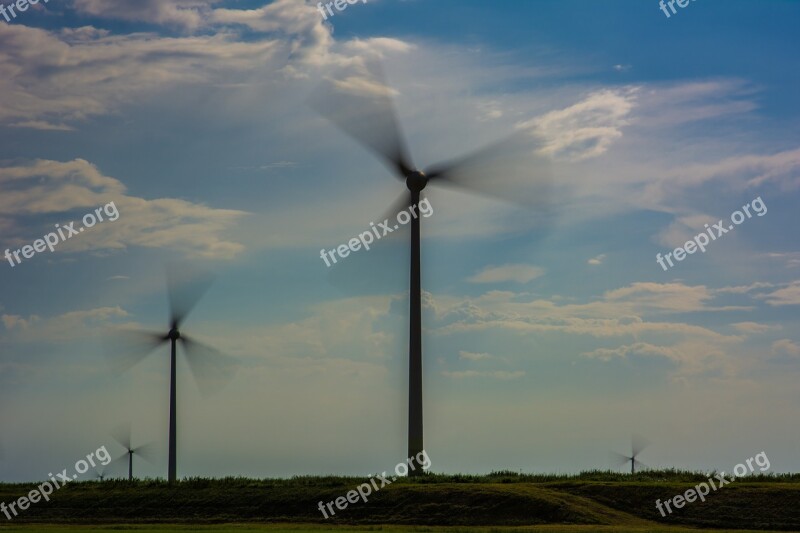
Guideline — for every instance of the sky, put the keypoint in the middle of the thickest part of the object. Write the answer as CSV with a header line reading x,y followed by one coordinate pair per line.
x,y
551,333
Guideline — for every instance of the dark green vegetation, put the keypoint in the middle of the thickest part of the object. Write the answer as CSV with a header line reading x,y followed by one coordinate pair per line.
x,y
625,502
305,528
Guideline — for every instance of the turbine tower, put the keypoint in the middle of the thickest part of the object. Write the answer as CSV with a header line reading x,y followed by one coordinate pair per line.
x,y
361,106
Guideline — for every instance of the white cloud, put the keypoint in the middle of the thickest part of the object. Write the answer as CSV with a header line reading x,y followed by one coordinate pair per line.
x,y
493,374
182,13
12,322
588,128
46,78
42,125
471,356
70,326
787,347
786,296
518,273
691,357
639,348
754,327
63,191
597,260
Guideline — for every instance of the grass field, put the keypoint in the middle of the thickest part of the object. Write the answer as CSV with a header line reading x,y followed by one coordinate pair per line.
x,y
592,501
277,528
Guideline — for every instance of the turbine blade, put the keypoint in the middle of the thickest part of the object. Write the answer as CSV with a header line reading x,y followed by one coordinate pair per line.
x,y
638,443
122,434
185,285
508,170
619,459
124,348
121,460
384,266
638,464
380,270
360,104
211,369
401,203
146,451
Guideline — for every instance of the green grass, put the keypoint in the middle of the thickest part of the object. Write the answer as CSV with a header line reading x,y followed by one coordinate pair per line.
x,y
244,528
278,528
590,501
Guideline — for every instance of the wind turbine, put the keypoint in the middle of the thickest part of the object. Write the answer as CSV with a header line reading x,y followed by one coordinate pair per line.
x,y
123,437
185,287
362,107
638,444
99,474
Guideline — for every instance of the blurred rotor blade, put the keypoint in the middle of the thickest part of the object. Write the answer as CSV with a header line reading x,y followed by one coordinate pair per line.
x,y
122,434
638,443
124,348
381,269
99,473
361,106
121,460
211,369
146,451
508,170
638,464
401,203
185,285
619,459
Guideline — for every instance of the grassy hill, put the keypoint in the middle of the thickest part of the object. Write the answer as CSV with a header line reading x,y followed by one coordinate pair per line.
x,y
501,499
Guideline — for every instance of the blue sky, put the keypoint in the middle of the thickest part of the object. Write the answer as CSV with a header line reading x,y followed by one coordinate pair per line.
x,y
550,334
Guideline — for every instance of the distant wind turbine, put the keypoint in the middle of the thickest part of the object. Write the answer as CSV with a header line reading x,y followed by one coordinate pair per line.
x,y
638,444
125,348
123,437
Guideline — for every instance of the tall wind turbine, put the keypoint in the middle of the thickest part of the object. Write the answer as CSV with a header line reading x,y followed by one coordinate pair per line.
x,y
361,106
209,367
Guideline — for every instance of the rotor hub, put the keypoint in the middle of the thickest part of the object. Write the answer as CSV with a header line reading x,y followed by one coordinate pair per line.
x,y
174,334
416,181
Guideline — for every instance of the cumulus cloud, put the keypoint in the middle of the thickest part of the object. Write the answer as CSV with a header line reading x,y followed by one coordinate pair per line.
x,y
70,326
786,296
182,13
518,273
597,260
639,348
754,328
12,322
691,356
588,128
493,374
471,356
786,347
64,191
47,78
631,312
